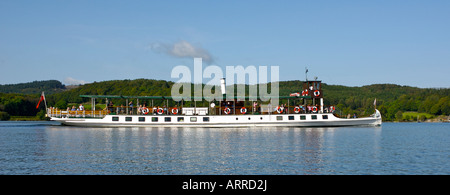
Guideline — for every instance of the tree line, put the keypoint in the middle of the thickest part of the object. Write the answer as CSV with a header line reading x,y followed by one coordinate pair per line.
x,y
391,99
35,87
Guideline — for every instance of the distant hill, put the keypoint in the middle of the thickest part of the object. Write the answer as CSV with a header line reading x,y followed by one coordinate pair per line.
x,y
35,87
392,100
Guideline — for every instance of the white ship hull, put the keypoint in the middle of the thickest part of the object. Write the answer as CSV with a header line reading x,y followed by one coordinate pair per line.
x,y
285,120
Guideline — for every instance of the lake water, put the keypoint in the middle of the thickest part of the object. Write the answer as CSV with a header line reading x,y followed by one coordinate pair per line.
x,y
393,148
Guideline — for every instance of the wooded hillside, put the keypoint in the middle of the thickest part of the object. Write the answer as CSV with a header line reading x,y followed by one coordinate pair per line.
x,y
392,100
35,87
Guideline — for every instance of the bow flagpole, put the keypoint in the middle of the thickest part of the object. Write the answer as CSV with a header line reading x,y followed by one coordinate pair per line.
x,y
375,103
42,99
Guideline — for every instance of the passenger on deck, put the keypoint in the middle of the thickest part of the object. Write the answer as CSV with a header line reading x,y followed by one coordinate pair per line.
x,y
111,106
120,109
131,107
139,110
81,107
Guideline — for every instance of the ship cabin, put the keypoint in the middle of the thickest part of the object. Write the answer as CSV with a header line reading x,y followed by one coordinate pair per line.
x,y
309,100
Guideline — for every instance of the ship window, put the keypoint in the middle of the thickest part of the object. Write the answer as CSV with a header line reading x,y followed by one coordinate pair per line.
x,y
141,119
154,119
302,117
128,119
237,118
205,119
115,118
180,119
291,117
193,119
167,119
324,116
313,117
317,85
279,118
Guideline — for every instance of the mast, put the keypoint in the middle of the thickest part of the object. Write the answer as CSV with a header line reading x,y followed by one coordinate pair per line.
x,y
306,73
223,90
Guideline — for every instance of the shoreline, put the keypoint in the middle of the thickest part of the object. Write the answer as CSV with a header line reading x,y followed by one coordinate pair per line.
x,y
426,121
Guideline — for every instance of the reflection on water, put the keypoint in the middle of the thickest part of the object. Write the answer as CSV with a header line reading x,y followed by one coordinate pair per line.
x,y
194,150
54,149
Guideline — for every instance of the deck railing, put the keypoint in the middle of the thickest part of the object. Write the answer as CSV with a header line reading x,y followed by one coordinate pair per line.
x,y
55,112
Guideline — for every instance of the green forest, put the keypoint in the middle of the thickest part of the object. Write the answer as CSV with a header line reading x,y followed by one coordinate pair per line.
x,y
395,102
35,87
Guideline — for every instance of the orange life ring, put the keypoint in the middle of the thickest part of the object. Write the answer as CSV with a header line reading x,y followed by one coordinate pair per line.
x,y
227,110
279,110
305,92
243,110
175,111
160,111
314,109
297,109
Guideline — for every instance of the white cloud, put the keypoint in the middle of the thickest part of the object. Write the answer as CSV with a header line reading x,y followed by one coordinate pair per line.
x,y
183,49
72,81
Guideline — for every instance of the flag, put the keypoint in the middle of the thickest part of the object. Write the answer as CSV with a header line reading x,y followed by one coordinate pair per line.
x,y
375,102
40,100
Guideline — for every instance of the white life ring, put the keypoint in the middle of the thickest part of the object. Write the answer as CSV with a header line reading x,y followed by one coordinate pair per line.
x,y
316,93
145,110
243,110
297,109
174,111
227,111
160,111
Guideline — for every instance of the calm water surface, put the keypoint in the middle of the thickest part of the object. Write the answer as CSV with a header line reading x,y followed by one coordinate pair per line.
x,y
394,148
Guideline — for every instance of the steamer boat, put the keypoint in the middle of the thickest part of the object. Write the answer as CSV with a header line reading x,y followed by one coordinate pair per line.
x,y
302,109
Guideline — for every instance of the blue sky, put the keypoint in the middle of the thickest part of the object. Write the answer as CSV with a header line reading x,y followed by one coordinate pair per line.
x,y
350,43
